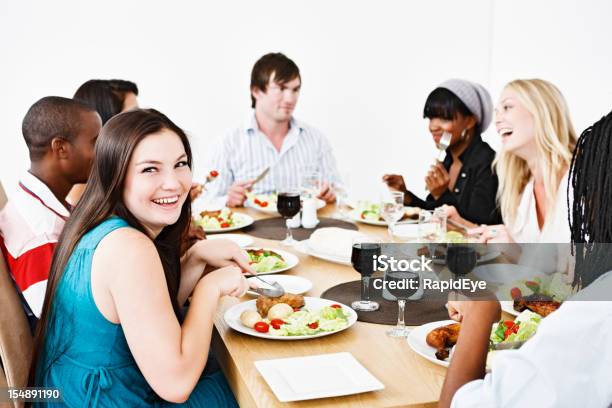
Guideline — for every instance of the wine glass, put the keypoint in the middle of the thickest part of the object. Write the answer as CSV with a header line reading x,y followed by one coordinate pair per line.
x,y
365,249
288,205
392,209
461,259
402,285
341,191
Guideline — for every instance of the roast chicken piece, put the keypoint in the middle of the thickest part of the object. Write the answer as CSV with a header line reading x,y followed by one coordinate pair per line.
x,y
443,338
264,303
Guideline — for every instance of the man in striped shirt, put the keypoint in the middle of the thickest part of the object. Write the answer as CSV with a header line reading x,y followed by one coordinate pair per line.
x,y
271,137
60,134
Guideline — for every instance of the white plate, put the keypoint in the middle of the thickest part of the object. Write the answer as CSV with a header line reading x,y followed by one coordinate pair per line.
x,y
232,318
290,259
319,376
240,221
508,307
416,341
505,273
292,284
304,248
242,240
271,208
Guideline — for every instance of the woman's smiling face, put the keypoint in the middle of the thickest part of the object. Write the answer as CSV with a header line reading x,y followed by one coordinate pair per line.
x,y
158,180
515,124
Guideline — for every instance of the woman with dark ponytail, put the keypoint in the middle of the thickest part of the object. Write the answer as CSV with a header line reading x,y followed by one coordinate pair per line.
x,y
110,332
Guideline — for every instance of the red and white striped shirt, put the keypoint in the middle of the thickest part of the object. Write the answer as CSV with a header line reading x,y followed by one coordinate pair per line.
x,y
30,226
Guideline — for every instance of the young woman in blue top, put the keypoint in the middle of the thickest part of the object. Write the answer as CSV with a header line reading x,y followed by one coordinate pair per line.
x,y
110,332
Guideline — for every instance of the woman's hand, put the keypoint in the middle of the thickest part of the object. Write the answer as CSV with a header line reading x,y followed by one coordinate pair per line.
x,y
395,182
492,234
229,281
457,221
460,306
222,252
437,180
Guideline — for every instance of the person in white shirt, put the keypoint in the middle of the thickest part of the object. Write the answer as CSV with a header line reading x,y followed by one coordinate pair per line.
x,y
538,139
272,137
568,362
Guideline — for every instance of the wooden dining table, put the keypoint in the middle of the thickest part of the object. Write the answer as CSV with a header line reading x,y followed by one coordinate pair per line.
x,y
409,379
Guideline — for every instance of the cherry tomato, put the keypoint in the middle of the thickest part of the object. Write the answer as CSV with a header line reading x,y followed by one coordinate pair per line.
x,y
214,173
515,328
362,216
263,203
507,333
515,293
314,325
225,224
508,324
276,323
256,201
336,306
262,327
534,286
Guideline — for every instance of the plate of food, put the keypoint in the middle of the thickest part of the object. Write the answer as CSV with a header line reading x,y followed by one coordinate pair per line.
x,y
330,244
223,220
296,285
435,341
267,202
267,260
290,317
540,294
369,213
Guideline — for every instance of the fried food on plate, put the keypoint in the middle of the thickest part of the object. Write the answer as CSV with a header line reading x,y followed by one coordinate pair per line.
x,y
264,303
537,303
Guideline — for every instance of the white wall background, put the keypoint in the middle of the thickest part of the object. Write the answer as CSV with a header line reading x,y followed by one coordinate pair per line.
x,y
367,66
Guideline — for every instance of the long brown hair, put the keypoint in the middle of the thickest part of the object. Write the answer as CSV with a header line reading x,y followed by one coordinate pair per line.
x,y
102,199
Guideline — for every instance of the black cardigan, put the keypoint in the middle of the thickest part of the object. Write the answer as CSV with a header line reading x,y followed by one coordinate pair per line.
x,y
474,193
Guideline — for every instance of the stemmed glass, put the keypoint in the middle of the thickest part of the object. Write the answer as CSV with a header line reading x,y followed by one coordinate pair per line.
x,y
402,285
311,184
461,259
288,205
362,258
392,209
432,228
340,189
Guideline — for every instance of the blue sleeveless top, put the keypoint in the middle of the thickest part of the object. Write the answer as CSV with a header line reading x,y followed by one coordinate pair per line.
x,y
88,357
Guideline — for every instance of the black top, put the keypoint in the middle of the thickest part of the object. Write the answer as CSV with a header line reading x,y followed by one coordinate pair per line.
x,y
474,193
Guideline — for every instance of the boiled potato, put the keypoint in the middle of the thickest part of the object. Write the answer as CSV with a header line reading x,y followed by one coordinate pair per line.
x,y
249,318
279,311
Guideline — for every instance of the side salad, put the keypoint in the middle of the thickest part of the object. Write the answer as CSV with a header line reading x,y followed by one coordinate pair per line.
x,y
552,286
520,329
265,260
210,220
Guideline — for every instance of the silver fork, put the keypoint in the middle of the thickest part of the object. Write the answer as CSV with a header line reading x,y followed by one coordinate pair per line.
x,y
276,291
443,145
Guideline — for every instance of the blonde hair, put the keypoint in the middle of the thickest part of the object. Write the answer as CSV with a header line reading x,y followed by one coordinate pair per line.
x,y
555,140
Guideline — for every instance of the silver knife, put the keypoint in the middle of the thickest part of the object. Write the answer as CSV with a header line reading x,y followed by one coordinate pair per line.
x,y
261,176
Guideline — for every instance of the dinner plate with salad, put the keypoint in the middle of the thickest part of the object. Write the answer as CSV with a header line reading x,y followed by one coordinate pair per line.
x,y
223,220
435,341
316,318
267,202
369,213
268,260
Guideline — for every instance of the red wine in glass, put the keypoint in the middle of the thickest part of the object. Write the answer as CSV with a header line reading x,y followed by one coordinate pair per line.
x,y
362,258
405,283
461,259
288,204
